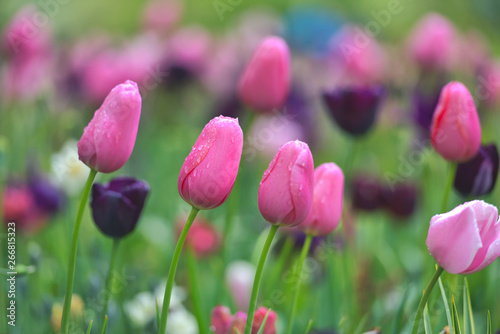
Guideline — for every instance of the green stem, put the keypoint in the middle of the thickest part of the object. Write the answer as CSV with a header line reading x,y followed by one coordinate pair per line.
x,y
195,293
173,269
424,299
258,276
109,282
72,255
297,275
279,264
447,191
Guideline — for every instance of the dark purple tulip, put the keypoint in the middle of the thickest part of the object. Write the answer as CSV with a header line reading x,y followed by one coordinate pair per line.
x,y
401,200
366,193
298,107
354,108
426,97
478,176
116,207
47,197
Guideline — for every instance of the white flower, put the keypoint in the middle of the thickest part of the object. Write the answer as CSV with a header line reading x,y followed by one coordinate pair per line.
x,y
141,309
181,321
239,278
176,299
68,171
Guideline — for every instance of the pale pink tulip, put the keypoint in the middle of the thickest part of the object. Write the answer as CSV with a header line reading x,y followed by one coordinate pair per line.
x,y
455,129
466,239
209,171
327,200
107,142
286,189
265,82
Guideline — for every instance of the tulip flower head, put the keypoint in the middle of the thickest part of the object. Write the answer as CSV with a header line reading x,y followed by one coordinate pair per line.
x,y
209,171
455,129
466,239
327,200
478,176
286,189
107,142
265,82
117,206
354,109
225,323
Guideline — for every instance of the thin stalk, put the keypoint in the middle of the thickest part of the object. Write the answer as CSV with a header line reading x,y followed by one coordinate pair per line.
x,y
72,255
258,276
297,275
195,292
424,299
173,269
449,184
109,282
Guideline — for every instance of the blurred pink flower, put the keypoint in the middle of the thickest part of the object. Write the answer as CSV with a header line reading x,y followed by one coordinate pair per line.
x,y
239,278
203,237
162,15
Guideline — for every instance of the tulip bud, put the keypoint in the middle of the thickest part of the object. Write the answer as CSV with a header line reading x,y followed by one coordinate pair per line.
x,y
221,319
258,319
209,171
237,326
455,129
109,139
265,82
354,109
466,239
286,189
478,176
117,206
327,200
431,43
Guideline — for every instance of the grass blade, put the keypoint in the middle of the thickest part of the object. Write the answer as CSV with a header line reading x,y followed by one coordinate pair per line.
x,y
90,327
396,327
446,305
309,325
157,314
427,322
361,324
488,324
261,329
105,324
471,315
454,316
466,311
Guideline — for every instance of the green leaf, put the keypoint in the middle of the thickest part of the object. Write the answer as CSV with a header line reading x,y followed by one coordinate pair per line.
x,y
362,323
157,314
309,325
105,325
427,322
396,327
90,327
471,315
488,323
454,316
446,305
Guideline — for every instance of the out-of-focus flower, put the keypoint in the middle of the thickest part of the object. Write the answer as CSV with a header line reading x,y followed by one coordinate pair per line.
x,y
466,239
239,278
432,41
366,193
220,319
354,109
161,15
223,323
209,171
286,189
141,309
47,196
117,206
222,70
181,321
488,85
455,129
108,140
68,172
258,320
203,237
265,82
77,312
358,56
478,176
425,98
327,200
401,199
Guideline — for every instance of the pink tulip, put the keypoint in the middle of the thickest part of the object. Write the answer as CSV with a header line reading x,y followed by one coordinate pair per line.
x,y
286,189
109,139
209,171
265,82
258,319
327,200
203,237
432,42
466,239
238,323
455,129
221,319
161,15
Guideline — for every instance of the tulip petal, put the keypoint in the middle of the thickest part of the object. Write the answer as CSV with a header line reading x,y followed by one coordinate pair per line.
x,y
460,226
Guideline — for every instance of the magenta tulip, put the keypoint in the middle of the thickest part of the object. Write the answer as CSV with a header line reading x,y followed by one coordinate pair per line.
x,y
466,239
265,82
326,208
209,171
286,189
109,139
455,129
